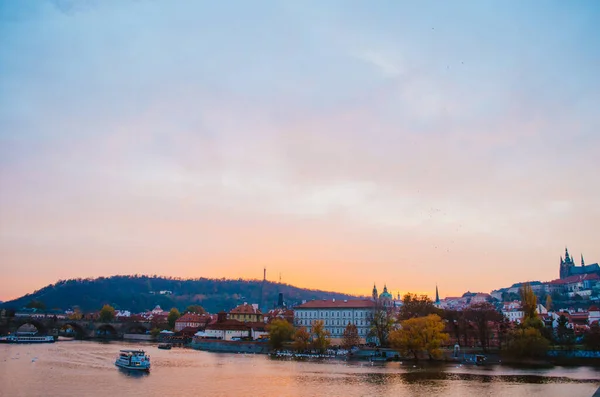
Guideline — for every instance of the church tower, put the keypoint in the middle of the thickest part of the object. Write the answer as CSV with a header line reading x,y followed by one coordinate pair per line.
x,y
375,294
437,295
566,264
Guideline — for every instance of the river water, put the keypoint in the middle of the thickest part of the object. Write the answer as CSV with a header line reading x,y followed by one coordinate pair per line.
x,y
79,368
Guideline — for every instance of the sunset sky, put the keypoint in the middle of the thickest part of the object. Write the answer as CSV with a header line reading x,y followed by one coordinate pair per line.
x,y
339,143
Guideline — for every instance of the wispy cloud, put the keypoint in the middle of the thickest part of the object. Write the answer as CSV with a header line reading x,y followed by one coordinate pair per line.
x,y
221,138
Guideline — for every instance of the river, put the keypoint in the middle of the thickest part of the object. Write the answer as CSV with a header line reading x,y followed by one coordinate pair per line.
x,y
79,368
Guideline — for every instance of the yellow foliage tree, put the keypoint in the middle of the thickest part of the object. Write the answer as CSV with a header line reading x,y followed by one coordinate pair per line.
x,y
528,301
280,331
301,339
320,336
350,337
420,334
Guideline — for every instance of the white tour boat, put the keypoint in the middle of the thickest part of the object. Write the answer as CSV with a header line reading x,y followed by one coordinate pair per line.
x,y
133,359
26,339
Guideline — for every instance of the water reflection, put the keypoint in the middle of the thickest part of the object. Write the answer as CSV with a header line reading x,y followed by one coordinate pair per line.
x,y
87,368
132,373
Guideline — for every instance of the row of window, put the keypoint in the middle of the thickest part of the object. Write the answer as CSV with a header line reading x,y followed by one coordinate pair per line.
x,y
331,322
336,313
335,332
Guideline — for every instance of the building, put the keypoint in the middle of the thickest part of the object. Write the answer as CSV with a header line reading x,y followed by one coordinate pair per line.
x,y
574,285
336,315
246,313
568,267
227,329
191,320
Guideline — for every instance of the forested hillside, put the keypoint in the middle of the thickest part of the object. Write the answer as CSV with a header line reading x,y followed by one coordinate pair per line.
x,y
139,293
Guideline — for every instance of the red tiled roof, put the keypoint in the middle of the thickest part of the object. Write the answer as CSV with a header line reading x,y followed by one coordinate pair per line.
x,y
575,279
593,308
193,318
327,304
229,325
245,309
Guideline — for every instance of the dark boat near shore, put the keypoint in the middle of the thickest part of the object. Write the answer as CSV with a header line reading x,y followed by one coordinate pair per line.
x,y
165,346
26,339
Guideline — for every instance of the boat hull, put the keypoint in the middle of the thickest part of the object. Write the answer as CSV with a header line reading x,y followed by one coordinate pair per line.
x,y
27,341
133,368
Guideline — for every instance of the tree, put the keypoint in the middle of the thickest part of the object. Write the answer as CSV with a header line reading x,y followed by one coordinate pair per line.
x,y
107,313
36,304
482,314
301,340
350,337
420,334
320,336
591,339
76,315
155,332
172,317
414,305
195,309
280,331
382,320
548,302
527,342
564,334
528,301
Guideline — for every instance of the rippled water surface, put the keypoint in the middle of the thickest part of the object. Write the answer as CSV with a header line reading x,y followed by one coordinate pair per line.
x,y
87,369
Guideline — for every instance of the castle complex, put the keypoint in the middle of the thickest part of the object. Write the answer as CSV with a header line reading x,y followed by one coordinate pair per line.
x,y
568,267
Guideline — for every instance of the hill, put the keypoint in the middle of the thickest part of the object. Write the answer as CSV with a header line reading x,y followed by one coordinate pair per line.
x,y
140,293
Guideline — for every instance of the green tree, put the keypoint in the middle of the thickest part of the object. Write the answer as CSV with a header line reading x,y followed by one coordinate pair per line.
x,y
280,331
350,338
155,332
301,339
107,313
172,317
527,342
414,305
591,339
195,309
565,336
528,301
36,304
321,339
420,334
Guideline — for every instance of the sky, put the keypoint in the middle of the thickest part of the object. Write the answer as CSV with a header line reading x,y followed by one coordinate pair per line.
x,y
336,143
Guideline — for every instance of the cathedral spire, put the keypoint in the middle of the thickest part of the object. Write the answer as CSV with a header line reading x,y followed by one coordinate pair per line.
x,y
582,262
437,294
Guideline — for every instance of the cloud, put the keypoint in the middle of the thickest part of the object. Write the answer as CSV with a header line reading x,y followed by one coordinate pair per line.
x,y
216,138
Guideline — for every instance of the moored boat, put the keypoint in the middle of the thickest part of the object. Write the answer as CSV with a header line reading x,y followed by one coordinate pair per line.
x,y
26,339
165,346
133,359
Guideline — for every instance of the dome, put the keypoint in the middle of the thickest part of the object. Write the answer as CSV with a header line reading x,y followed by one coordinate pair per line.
x,y
385,294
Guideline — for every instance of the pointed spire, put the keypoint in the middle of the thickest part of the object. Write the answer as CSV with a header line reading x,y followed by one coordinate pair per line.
x,y
582,262
375,295
567,255
437,294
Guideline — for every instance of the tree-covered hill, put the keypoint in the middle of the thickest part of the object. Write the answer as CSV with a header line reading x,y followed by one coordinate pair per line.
x,y
140,293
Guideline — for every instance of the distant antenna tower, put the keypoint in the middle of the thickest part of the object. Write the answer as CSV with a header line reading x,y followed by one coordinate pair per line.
x,y
265,274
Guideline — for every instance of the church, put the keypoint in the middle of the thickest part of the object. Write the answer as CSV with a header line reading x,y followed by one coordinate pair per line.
x,y
568,267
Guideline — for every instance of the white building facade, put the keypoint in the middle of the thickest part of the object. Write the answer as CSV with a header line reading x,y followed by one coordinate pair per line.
x,y
336,315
